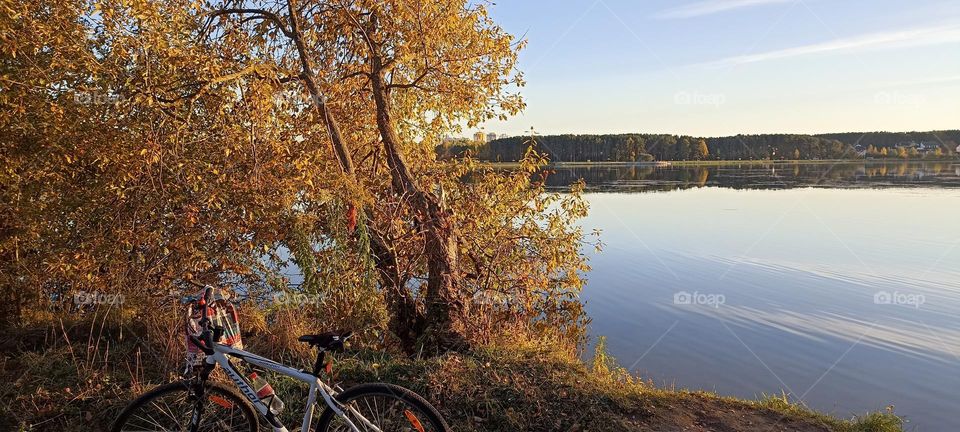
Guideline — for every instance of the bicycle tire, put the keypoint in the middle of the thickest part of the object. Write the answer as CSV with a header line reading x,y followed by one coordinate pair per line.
x,y
425,410
226,394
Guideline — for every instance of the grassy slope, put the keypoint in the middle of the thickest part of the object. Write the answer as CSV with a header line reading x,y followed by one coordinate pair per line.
x,y
539,389
527,388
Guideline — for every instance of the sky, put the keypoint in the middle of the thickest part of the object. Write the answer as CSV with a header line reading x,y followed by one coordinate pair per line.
x,y
724,67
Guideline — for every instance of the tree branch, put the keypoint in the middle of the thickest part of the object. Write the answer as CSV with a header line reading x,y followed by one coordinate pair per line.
x,y
354,74
258,13
413,83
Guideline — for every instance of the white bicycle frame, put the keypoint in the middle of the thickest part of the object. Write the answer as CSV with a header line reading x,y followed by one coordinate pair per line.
x,y
223,353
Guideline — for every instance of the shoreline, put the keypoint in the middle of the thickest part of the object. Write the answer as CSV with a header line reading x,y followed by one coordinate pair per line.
x,y
538,388
708,163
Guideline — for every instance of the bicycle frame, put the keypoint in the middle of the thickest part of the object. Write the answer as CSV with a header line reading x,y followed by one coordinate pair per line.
x,y
222,355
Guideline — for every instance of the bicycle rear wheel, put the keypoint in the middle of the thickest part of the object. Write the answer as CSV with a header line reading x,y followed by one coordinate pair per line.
x,y
170,407
386,406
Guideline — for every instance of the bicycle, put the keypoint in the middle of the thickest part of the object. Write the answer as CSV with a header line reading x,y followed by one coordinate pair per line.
x,y
198,404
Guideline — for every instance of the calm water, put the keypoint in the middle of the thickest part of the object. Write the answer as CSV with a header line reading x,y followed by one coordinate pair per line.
x,y
839,285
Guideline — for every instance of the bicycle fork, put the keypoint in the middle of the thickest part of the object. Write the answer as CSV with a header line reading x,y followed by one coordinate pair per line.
x,y
199,389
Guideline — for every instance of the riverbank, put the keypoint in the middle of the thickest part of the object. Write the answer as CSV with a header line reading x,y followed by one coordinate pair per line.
x,y
536,388
523,387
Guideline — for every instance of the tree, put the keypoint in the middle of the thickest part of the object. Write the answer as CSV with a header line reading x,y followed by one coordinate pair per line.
x,y
137,155
220,143
701,151
448,60
684,149
441,59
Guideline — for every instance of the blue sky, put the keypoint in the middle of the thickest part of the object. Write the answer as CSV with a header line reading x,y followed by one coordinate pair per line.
x,y
722,67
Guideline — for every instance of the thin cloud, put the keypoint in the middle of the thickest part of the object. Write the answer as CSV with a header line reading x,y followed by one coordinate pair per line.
x,y
709,7
925,81
874,41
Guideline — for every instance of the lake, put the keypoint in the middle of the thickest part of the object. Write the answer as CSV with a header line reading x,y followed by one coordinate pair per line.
x,y
838,284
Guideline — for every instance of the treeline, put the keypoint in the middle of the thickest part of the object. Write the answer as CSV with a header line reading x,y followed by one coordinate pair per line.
x,y
946,138
648,147
582,148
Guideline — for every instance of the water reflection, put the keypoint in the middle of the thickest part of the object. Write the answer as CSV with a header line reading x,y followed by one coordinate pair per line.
x,y
648,178
800,254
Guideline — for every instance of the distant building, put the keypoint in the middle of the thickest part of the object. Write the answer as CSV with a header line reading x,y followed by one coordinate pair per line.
x,y
479,137
491,136
504,136
928,147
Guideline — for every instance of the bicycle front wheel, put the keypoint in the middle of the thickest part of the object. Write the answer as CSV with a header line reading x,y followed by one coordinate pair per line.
x,y
386,406
170,407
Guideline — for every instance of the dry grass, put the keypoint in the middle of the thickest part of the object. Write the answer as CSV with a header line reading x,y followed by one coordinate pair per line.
x,y
62,378
536,387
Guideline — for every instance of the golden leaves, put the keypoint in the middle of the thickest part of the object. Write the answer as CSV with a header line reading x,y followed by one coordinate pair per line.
x,y
211,161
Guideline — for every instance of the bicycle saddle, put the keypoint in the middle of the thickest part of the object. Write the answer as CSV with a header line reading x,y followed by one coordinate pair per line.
x,y
327,341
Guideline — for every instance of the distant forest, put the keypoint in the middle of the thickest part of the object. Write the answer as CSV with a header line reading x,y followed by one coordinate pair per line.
x,y
658,147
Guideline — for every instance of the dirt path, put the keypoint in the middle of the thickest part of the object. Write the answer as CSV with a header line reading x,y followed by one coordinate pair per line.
x,y
697,413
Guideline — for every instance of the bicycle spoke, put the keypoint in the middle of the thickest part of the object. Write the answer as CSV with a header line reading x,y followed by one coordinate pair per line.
x,y
384,413
172,412
169,412
374,413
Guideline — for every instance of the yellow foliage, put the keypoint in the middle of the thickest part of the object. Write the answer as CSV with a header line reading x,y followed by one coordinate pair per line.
x,y
147,141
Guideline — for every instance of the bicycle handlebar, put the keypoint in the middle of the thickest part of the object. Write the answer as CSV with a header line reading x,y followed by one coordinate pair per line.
x,y
207,337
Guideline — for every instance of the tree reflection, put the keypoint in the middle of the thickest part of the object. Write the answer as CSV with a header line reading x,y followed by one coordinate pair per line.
x,y
648,178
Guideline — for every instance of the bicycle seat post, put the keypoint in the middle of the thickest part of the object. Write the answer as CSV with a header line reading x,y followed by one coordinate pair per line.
x,y
321,355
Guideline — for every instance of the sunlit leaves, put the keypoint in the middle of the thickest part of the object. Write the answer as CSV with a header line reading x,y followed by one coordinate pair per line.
x,y
521,247
145,141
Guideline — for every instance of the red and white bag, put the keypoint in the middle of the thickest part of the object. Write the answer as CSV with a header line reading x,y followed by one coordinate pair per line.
x,y
221,313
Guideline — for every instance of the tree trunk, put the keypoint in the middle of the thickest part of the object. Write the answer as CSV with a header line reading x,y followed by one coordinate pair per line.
x,y
406,322
444,305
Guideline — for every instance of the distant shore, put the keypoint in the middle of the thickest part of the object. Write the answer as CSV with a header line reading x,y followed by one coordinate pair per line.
x,y
729,162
